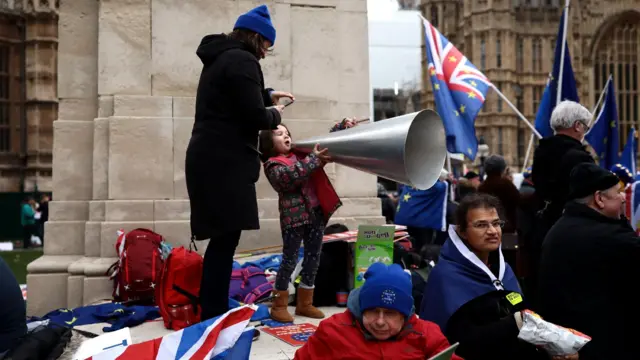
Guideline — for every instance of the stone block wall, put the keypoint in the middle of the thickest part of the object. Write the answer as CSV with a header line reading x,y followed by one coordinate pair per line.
x,y
127,80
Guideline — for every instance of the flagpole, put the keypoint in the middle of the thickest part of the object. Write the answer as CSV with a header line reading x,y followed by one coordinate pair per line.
x,y
562,52
450,170
560,73
526,158
533,128
602,94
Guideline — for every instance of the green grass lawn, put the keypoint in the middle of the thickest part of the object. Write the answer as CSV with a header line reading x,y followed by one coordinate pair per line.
x,y
18,261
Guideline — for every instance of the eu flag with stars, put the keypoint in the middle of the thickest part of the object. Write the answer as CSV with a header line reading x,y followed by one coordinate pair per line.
x,y
568,88
423,208
459,90
630,152
603,136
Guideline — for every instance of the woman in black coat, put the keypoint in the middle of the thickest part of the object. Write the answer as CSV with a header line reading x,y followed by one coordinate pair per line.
x,y
222,164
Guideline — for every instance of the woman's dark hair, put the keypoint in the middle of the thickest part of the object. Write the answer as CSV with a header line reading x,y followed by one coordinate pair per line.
x,y
265,144
251,39
495,165
475,201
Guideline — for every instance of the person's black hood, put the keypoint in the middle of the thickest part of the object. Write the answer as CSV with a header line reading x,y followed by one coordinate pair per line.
x,y
551,147
212,46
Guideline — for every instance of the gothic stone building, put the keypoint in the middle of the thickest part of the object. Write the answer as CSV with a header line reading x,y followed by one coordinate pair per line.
x,y
28,96
513,41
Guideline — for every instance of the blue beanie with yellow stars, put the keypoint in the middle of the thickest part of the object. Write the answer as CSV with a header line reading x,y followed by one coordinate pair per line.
x,y
623,173
387,287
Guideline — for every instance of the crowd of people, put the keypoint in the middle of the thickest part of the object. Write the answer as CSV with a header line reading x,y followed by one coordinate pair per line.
x,y
576,250
473,295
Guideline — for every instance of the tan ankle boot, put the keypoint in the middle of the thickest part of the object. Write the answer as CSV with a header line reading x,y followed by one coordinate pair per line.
x,y
279,304
304,305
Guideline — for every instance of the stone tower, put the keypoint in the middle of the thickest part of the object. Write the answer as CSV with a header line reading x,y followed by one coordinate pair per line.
x,y
513,42
127,79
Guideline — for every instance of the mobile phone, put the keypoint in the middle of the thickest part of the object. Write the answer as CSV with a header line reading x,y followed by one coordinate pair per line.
x,y
289,103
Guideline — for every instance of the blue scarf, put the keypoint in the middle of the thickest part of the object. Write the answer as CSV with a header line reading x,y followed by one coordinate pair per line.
x,y
459,277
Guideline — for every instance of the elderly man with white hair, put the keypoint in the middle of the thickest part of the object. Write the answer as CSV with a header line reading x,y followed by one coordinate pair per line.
x,y
553,161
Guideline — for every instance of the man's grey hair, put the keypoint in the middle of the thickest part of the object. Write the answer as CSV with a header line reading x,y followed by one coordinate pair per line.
x,y
566,113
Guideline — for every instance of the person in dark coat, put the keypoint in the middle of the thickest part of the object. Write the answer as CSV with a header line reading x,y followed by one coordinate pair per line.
x,y
44,215
222,162
13,323
499,185
589,262
472,293
553,161
526,217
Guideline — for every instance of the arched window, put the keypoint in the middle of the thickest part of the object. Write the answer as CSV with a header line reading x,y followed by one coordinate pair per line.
x,y
483,53
434,15
498,50
617,54
519,54
536,52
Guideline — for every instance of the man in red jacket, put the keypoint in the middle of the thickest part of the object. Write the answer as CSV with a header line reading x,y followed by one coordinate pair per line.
x,y
380,323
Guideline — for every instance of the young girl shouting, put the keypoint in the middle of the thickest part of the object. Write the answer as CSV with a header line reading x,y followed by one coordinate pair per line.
x,y
306,200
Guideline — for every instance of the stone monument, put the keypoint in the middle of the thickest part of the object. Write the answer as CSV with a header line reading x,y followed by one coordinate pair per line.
x,y
127,80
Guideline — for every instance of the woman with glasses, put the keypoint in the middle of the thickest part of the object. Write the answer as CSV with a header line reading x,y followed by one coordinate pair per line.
x,y
472,294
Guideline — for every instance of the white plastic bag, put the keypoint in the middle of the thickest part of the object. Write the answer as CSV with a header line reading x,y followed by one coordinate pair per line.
x,y
555,340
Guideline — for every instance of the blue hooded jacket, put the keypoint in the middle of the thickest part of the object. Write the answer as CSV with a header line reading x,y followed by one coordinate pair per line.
x,y
459,277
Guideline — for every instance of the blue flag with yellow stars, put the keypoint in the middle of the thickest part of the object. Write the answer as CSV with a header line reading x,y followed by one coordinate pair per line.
x,y
459,90
630,152
565,83
423,208
603,136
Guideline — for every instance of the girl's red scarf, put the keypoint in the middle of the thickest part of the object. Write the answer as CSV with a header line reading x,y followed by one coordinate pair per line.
x,y
327,196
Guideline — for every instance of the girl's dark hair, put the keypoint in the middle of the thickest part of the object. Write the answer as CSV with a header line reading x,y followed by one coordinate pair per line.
x,y
251,39
475,201
265,144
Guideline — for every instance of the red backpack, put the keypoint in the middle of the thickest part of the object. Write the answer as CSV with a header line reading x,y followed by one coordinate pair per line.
x,y
177,293
137,271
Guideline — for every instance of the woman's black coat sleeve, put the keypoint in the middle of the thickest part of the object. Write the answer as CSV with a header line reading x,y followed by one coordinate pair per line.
x,y
266,97
246,87
482,341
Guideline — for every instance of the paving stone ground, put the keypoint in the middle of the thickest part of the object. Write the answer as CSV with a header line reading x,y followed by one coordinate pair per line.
x,y
266,347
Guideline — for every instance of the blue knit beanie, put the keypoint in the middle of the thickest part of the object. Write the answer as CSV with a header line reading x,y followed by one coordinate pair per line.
x,y
258,20
387,287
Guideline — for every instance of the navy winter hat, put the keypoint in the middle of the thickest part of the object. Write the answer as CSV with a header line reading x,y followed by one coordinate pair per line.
x,y
387,287
258,20
587,178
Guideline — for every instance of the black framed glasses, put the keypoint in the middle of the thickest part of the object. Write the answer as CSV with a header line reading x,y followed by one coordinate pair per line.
x,y
485,225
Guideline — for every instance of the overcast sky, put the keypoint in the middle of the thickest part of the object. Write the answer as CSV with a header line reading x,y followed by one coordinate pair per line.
x,y
381,9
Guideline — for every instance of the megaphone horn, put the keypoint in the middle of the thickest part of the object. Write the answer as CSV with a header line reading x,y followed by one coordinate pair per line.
x,y
409,149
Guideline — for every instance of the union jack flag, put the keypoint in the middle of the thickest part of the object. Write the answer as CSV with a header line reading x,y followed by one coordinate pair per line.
x,y
459,89
212,339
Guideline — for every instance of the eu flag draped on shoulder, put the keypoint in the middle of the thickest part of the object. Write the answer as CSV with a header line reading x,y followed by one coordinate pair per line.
x,y
459,90
225,337
561,74
603,136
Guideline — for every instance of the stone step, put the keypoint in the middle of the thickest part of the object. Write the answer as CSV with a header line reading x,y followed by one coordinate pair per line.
x,y
171,210
178,232
171,218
